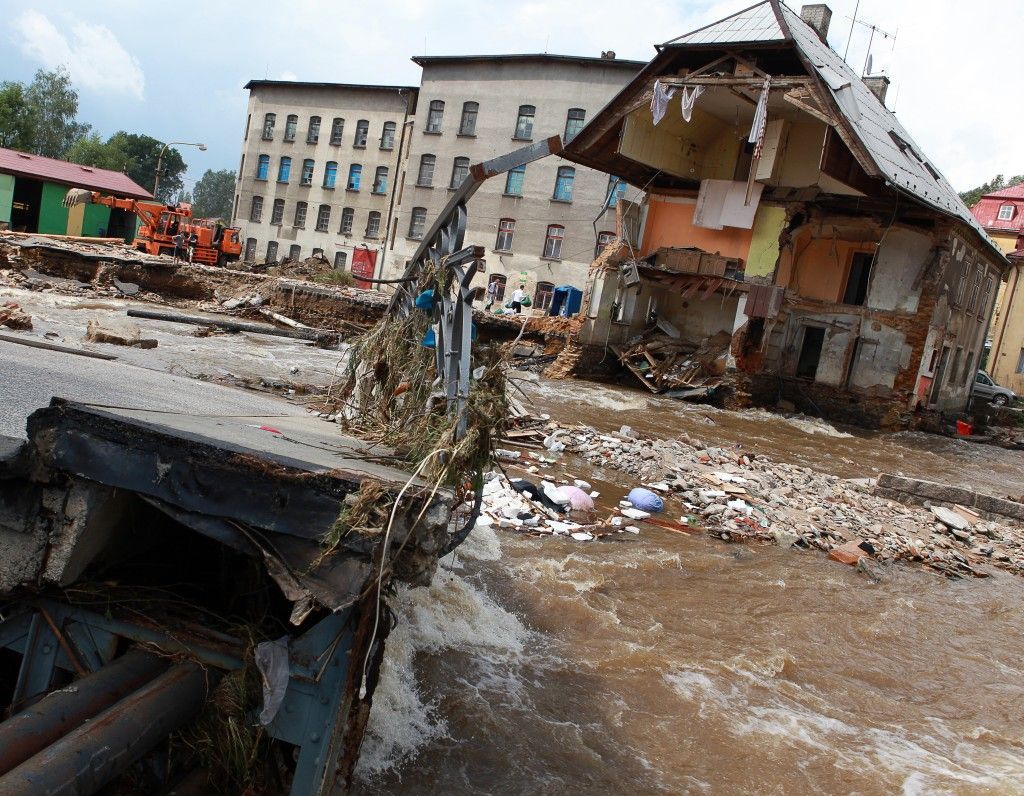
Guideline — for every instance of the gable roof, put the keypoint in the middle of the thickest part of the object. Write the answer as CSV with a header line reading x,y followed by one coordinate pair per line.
x,y
896,157
21,164
1013,192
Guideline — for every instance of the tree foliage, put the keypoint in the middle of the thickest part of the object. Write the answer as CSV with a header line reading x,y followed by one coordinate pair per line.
x,y
136,155
997,183
94,151
53,112
17,124
212,195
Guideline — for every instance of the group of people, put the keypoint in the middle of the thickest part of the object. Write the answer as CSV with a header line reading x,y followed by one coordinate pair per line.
x,y
518,300
184,244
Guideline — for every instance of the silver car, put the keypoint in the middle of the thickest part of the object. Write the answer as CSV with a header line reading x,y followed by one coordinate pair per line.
x,y
988,390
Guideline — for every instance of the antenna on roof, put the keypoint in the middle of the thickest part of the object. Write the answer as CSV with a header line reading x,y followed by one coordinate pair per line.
x,y
849,37
874,29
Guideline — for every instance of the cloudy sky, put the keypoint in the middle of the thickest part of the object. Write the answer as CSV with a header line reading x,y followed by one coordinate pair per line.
x,y
178,75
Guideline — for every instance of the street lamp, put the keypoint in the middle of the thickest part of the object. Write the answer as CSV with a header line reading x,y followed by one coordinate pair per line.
x,y
160,159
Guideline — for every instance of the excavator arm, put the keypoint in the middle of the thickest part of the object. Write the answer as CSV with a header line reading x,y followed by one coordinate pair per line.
x,y
149,212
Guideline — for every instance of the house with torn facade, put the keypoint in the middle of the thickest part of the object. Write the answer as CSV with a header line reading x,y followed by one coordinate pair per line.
x,y
794,243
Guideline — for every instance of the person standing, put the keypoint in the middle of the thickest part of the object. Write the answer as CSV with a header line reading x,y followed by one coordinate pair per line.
x,y
193,241
179,244
492,294
518,296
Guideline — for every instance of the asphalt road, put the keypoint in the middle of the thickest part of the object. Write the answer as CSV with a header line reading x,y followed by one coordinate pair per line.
x,y
29,377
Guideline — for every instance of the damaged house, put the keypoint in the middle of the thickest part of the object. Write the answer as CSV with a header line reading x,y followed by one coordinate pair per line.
x,y
794,243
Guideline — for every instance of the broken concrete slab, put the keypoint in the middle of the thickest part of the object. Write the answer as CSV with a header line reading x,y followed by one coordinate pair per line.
x,y
950,518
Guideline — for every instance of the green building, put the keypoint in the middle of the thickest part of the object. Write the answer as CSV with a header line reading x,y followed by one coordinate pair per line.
x,y
32,190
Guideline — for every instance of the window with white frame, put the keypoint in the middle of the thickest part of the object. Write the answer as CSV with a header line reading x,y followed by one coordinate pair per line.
x,y
1005,212
524,123
300,215
313,133
553,241
337,131
506,229
348,217
387,135
256,210
307,172
543,296
603,239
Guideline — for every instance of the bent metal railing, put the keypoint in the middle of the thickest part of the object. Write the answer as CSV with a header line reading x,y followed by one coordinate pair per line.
x,y
443,248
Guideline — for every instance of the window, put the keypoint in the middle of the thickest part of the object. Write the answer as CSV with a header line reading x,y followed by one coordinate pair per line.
x,y
810,352
603,239
307,172
417,222
248,121
387,136
268,126
271,251
373,224
434,116
460,170
323,218
284,170
300,215
857,281
313,131
574,121
277,214
956,366
337,131
339,261
563,184
234,214
616,190
330,174
966,376
524,123
250,250
241,166
1020,362
514,181
972,304
362,130
263,167
553,241
543,295
256,210
355,174
380,180
1005,212
961,287
506,229
348,216
425,177
499,281
985,297
290,126
294,252
467,124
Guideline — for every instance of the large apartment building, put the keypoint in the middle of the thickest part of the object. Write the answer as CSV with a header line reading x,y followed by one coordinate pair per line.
x,y
542,223
318,169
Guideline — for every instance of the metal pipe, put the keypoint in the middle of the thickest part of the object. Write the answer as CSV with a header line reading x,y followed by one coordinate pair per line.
x,y
88,758
32,730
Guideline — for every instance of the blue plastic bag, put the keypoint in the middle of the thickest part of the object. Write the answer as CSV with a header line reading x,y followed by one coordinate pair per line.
x,y
645,500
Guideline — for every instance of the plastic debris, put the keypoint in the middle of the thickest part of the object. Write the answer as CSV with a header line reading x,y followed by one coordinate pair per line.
x,y
645,500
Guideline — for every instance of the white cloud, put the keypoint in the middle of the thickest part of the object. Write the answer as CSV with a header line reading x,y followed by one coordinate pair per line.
x,y
92,54
287,74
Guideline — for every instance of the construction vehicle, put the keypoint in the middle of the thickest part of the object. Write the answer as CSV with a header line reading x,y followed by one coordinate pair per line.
x,y
214,244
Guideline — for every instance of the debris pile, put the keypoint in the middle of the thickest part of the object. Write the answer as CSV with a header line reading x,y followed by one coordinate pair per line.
x,y
14,317
739,497
666,364
127,334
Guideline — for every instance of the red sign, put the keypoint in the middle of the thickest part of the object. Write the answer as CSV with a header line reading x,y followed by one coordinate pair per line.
x,y
364,264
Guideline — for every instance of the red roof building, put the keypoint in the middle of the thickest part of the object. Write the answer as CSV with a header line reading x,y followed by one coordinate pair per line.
x,y
21,164
1001,213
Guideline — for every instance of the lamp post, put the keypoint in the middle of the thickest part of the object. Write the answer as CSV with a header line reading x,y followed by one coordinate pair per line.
x,y
160,159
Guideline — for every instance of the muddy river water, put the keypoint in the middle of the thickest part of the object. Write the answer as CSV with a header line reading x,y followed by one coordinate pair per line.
x,y
678,664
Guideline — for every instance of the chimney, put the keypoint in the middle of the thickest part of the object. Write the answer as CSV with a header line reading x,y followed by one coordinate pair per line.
x,y
608,55
878,84
818,16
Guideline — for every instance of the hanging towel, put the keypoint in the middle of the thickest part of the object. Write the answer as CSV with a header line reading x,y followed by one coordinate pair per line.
x,y
690,95
760,115
659,102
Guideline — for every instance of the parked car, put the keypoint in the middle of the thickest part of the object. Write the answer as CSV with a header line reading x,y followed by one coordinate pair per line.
x,y
987,389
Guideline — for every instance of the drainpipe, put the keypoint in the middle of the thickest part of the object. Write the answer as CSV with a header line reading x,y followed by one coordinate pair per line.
x,y
395,186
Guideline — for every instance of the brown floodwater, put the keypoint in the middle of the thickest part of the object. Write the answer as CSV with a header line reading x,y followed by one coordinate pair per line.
x,y
677,664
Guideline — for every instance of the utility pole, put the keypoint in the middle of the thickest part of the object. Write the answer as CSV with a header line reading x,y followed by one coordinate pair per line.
x,y
160,159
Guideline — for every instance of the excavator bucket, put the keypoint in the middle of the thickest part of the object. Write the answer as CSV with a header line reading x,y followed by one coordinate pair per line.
x,y
77,196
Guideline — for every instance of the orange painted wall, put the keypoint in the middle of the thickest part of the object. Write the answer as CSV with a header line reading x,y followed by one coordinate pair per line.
x,y
822,266
671,224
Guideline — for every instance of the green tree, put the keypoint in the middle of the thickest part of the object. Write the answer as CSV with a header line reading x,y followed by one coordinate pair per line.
x,y
93,151
53,105
997,183
212,195
143,152
17,127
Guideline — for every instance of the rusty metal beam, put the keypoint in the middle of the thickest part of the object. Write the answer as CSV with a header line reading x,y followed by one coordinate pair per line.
x,y
32,730
88,758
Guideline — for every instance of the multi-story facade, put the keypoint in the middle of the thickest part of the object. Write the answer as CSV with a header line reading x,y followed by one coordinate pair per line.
x,y
318,169
540,224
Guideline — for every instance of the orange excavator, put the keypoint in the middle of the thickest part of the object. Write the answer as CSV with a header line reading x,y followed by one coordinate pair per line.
x,y
214,244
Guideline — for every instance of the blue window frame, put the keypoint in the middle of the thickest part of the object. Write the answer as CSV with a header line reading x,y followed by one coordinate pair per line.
x,y
616,190
514,181
563,183
284,170
263,167
330,174
355,174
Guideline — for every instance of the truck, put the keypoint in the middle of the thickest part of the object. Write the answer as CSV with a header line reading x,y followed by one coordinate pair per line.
x,y
214,243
